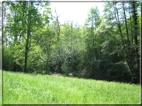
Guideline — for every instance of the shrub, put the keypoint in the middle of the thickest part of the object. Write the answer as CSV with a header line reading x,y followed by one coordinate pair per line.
x,y
118,70
7,59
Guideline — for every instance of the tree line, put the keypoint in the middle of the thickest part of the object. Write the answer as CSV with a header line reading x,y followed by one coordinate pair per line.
x,y
106,47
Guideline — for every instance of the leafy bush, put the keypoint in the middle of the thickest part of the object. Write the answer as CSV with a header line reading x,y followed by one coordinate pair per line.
x,y
118,70
66,67
7,59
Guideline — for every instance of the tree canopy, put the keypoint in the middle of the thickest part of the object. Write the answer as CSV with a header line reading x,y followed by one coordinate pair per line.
x,y
106,47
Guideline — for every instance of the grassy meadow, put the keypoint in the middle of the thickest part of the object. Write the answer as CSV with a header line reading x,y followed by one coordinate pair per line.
x,y
20,88
0,86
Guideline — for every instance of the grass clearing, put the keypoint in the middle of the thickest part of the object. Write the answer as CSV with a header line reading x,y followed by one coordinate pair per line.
x,y
0,86
20,88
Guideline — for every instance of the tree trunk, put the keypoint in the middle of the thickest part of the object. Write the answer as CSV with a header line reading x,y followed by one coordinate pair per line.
x,y
135,17
27,39
131,53
129,50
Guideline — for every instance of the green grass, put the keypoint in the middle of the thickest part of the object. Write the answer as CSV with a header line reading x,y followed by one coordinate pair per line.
x,y
46,89
0,86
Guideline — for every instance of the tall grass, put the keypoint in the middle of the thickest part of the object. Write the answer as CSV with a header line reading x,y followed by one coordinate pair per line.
x,y
26,88
0,86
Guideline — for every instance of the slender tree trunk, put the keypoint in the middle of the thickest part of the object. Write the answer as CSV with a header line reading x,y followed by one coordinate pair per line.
x,y
118,24
92,30
27,39
135,17
71,35
127,32
131,25
58,25
123,42
128,43
131,54
58,39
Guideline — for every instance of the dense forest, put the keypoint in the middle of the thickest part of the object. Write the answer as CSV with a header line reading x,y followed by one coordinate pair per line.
x,y
104,48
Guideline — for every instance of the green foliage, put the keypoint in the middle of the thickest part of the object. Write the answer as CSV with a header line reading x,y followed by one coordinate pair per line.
x,y
34,62
96,50
93,17
20,88
119,69
7,59
21,27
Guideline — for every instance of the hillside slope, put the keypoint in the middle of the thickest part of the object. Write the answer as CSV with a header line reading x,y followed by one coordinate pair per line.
x,y
27,88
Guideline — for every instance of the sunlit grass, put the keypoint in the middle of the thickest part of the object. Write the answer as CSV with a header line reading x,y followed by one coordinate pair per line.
x,y
27,88
0,86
